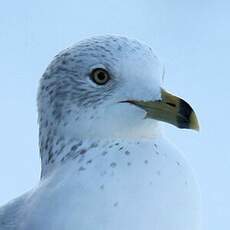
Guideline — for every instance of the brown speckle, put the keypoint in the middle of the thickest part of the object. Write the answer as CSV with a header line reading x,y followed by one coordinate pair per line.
x,y
94,145
113,164
74,147
115,204
89,161
81,168
82,151
102,187
104,153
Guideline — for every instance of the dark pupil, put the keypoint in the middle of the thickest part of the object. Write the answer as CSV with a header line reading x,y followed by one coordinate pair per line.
x,y
101,76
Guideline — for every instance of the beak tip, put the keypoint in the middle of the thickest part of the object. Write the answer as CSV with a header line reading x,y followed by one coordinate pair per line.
x,y
194,124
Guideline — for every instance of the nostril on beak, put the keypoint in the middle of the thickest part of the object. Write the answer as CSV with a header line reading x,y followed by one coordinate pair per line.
x,y
171,104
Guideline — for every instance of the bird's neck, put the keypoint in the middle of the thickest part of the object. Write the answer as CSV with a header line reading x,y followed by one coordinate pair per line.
x,y
60,143
58,147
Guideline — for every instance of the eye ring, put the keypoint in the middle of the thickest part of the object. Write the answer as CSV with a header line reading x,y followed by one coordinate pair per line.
x,y
100,76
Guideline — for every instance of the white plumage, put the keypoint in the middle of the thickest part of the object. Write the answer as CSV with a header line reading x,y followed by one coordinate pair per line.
x,y
104,166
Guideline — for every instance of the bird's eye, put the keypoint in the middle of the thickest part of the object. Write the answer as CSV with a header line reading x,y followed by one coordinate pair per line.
x,y
100,76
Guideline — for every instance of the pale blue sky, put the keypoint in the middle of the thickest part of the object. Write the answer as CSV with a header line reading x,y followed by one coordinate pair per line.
x,y
190,37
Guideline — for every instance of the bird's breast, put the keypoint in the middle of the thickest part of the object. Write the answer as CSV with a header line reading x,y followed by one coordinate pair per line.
x,y
122,185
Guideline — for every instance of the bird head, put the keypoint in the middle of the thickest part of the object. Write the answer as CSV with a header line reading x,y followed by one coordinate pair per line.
x,y
109,86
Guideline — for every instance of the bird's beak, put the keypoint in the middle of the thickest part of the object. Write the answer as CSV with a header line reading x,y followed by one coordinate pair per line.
x,y
170,109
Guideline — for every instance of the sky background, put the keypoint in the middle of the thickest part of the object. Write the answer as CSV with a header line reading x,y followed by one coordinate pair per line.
x,y
192,39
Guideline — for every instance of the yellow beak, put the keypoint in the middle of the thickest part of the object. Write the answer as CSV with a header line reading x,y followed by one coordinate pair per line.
x,y
170,109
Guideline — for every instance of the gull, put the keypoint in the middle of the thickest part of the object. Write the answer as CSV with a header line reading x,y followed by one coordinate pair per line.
x,y
106,164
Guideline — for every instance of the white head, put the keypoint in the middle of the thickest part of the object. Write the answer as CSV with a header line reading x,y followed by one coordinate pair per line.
x,y
70,98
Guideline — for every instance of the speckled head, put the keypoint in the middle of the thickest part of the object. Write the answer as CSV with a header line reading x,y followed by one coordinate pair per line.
x,y
82,87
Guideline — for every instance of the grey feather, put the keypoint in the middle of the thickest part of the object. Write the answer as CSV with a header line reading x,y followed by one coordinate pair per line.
x,y
12,213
